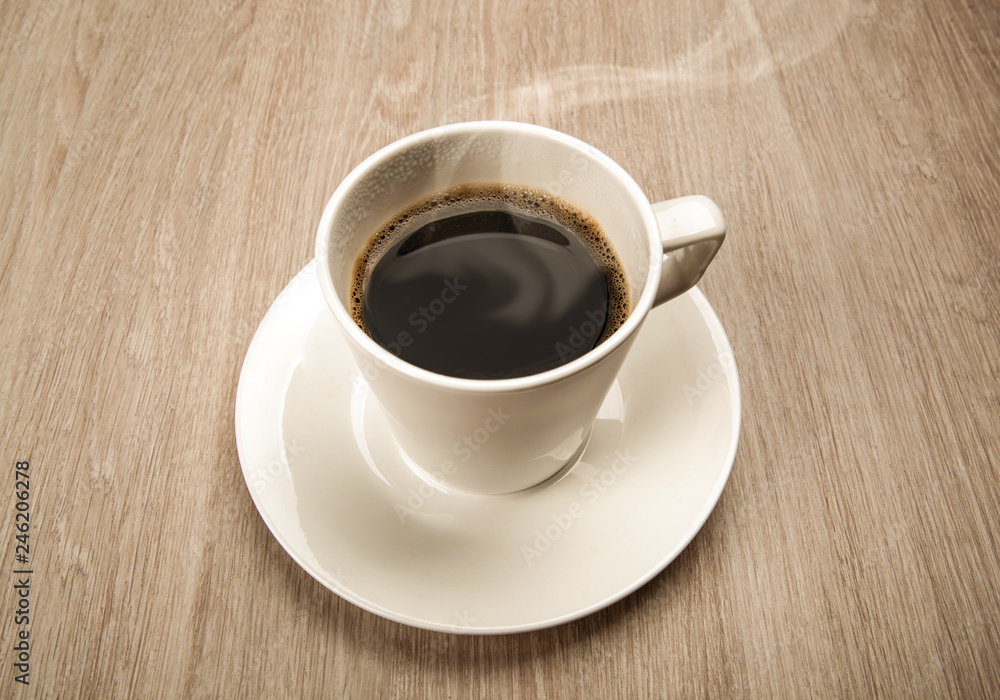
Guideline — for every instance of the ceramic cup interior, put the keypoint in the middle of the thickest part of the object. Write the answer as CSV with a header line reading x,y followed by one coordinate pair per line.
x,y
515,153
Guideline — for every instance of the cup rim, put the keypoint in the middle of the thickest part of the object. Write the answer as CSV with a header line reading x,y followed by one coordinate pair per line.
x,y
384,358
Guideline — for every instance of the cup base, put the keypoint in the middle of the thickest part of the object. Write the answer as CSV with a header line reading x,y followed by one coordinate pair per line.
x,y
442,485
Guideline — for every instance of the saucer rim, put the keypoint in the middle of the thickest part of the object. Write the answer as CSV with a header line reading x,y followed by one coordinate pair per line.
x,y
722,345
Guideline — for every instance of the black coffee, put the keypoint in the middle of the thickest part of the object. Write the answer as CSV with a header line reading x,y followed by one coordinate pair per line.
x,y
489,281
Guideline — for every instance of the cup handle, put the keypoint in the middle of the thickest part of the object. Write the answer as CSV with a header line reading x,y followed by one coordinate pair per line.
x,y
692,229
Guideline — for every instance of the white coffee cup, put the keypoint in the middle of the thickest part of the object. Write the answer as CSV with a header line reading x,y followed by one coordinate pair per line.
x,y
504,435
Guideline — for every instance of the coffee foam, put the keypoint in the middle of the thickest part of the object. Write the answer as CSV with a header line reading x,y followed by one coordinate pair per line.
x,y
496,196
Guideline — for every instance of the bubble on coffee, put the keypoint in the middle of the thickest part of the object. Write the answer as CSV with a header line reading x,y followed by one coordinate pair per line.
x,y
489,281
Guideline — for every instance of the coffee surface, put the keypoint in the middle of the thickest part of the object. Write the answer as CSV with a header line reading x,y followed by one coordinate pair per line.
x,y
489,281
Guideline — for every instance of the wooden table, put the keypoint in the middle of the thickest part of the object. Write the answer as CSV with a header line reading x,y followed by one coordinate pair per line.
x,y
164,169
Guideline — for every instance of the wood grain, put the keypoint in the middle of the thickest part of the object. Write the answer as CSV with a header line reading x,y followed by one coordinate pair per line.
x,y
164,168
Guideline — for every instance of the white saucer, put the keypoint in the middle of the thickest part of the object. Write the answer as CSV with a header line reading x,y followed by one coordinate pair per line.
x,y
322,470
